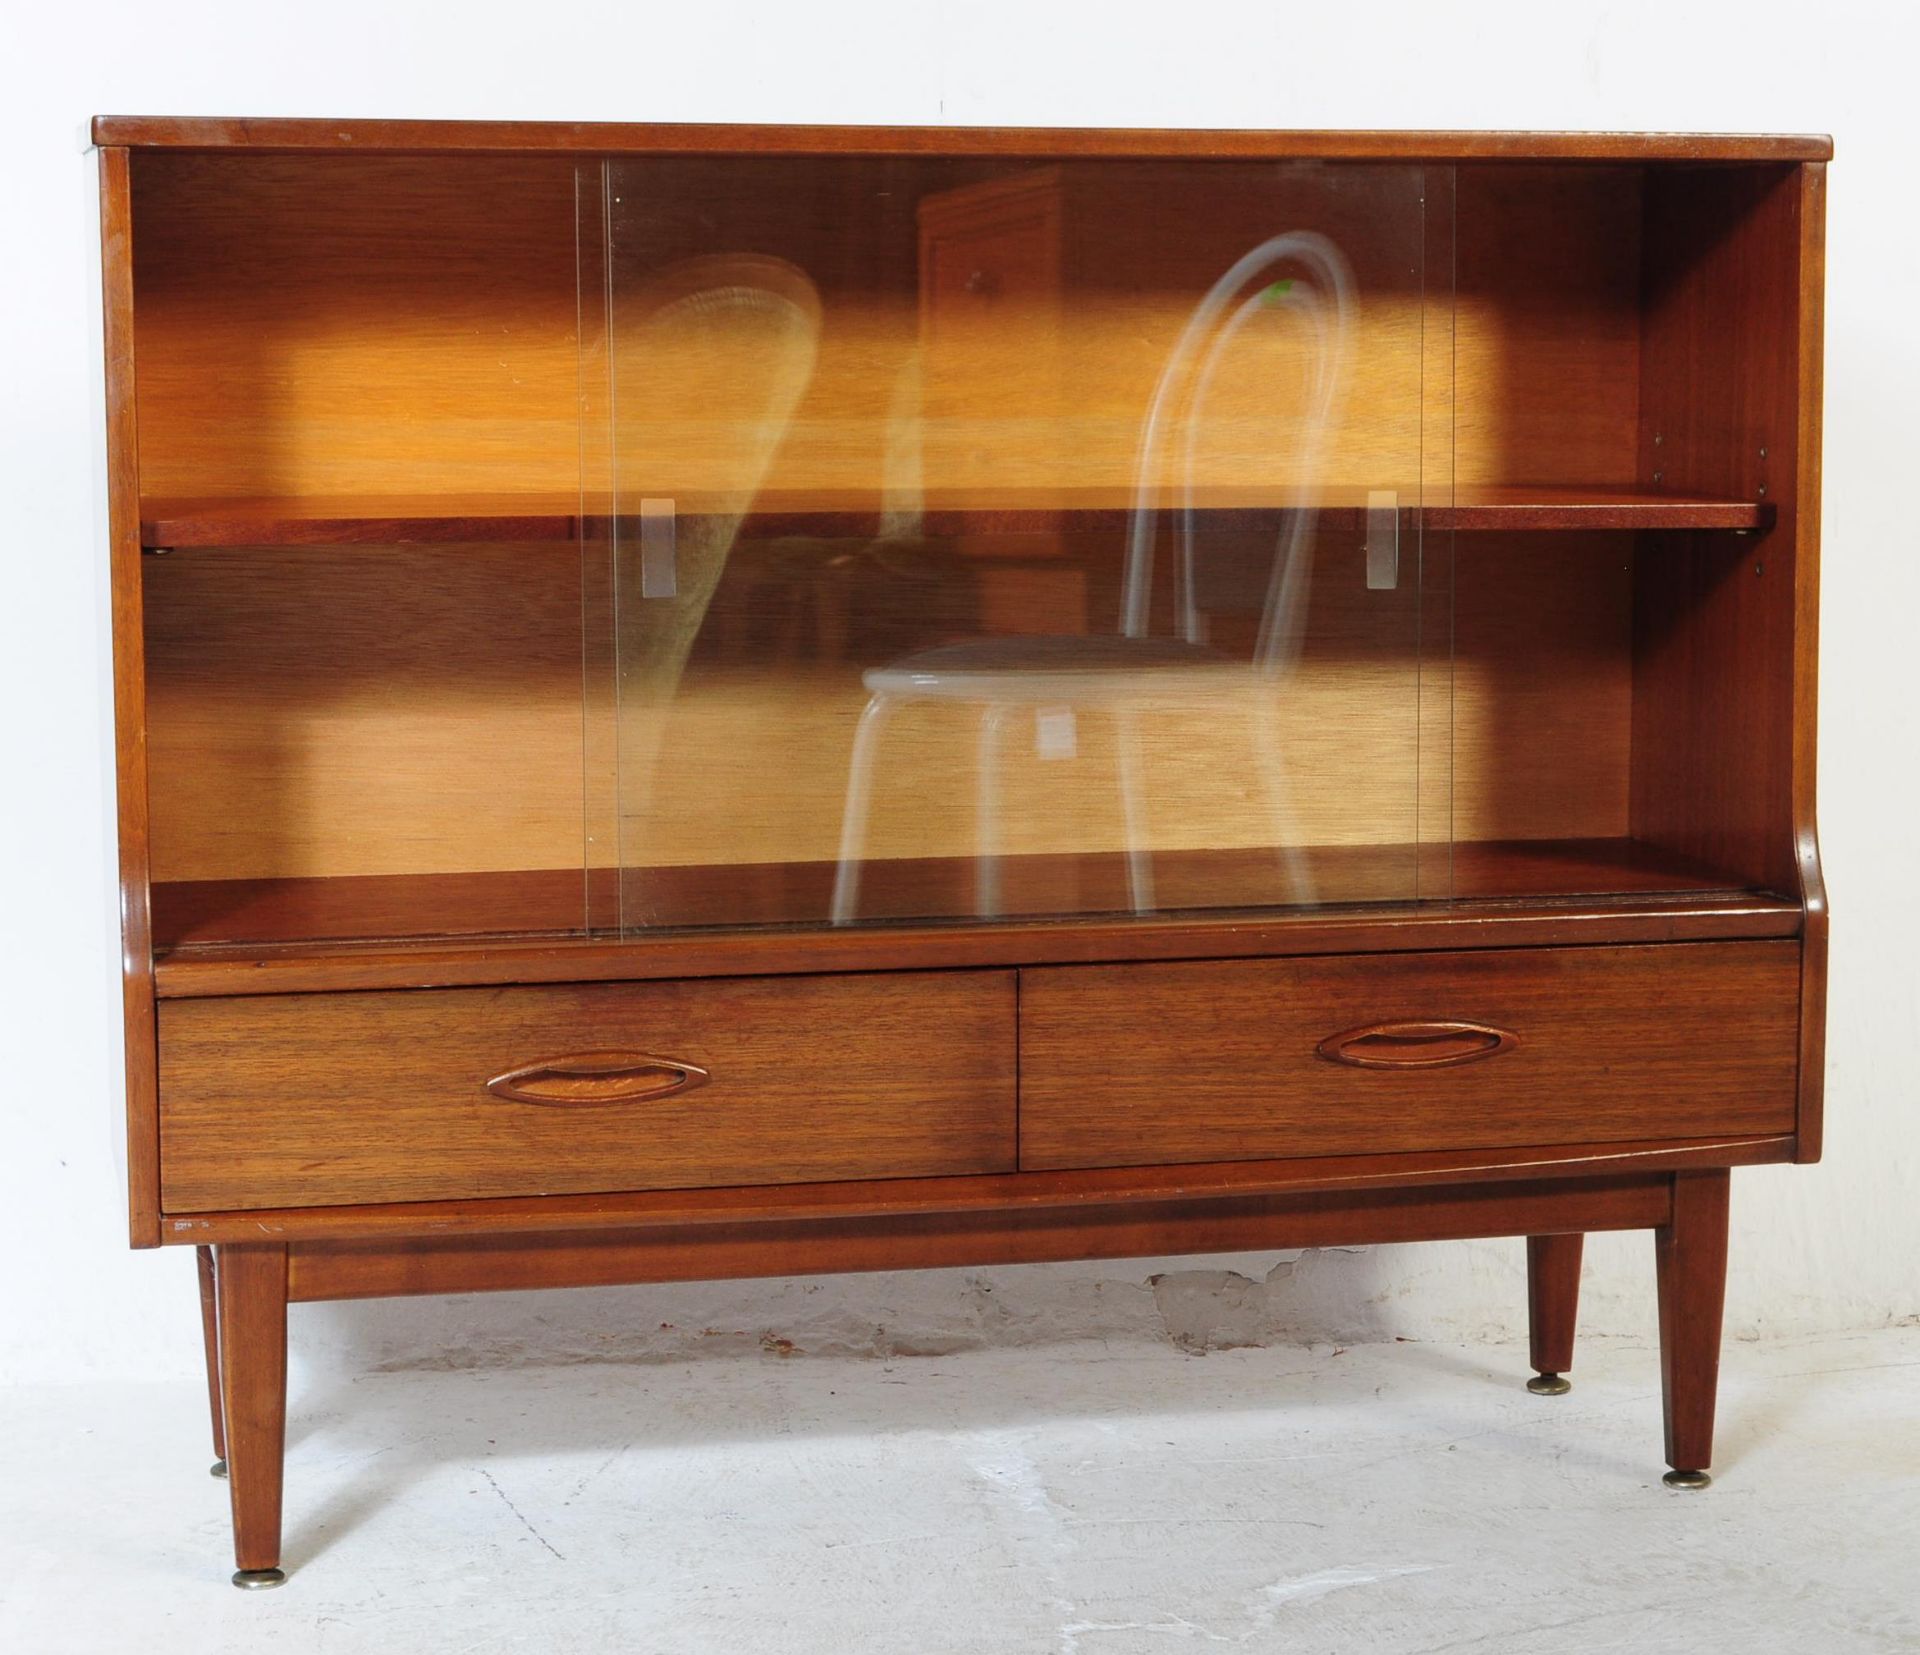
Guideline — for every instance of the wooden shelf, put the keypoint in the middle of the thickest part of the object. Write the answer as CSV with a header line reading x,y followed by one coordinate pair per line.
x,y
1529,506
336,520
358,520
237,936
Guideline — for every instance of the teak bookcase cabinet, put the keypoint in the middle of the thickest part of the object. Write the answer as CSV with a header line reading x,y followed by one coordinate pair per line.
x,y
699,702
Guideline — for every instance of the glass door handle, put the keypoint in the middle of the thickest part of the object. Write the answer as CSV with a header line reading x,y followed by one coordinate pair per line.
x,y
659,560
1383,539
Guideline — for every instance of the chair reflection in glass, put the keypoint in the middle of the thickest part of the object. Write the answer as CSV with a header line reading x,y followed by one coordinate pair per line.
x,y
1131,673
708,360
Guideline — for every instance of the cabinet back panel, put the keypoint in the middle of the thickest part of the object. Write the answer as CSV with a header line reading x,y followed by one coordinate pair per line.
x,y
418,709
1547,325
366,326
375,709
1543,685
356,325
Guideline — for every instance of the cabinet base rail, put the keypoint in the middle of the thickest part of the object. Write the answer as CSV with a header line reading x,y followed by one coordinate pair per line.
x,y
250,1284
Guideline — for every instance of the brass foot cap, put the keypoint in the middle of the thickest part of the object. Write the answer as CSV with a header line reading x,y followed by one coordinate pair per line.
x,y
259,1580
1686,1479
1549,1384
217,1469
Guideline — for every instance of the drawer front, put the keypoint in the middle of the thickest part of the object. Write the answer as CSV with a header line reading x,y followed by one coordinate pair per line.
x,y
1237,1060
976,273
325,1099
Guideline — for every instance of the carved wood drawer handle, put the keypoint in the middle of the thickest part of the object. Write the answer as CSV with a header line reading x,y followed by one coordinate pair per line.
x,y
598,1077
1416,1045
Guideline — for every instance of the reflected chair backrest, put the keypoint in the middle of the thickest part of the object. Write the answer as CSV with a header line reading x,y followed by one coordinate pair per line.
x,y
708,360
1318,299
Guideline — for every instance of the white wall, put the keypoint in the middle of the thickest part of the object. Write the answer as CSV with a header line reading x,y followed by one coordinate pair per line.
x,y
1833,1247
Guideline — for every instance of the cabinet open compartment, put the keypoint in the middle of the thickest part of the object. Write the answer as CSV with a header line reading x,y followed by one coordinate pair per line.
x,y
534,529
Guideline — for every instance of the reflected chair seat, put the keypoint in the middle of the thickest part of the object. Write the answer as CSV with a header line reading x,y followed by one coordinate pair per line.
x,y
1124,677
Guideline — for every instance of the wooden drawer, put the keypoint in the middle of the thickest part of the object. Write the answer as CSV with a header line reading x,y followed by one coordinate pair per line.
x,y
1134,1064
987,247
323,1099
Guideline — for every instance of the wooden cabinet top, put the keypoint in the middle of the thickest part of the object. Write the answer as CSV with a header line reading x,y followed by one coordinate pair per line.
x,y
639,138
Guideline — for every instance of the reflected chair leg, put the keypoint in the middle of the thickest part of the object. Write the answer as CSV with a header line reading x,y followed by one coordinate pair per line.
x,y
1133,809
210,1337
1690,1255
1553,1298
853,817
252,1281
1273,776
986,867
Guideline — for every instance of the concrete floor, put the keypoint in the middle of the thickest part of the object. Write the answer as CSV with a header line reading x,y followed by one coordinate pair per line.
x,y
1068,1500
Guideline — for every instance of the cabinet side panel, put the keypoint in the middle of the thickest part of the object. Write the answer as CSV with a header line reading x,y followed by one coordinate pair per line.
x,y
1714,690
1806,656
129,697
1725,648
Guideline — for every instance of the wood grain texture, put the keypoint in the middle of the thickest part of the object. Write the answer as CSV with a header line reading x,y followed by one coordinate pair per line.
x,y
1725,704
351,1270
193,917
315,1100
210,1338
1690,1252
403,329
1811,345
1131,1064
393,327
255,968
253,1372
1010,1193
275,133
530,519
178,523
282,685
383,325
1714,687
1050,301
129,698
1711,692
1044,382
439,688
1589,363
1513,508
1546,323
1553,1300
1540,645
356,324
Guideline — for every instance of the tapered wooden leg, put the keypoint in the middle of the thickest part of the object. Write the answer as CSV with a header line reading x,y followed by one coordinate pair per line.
x,y
1691,1256
252,1291
1553,1298
210,1335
